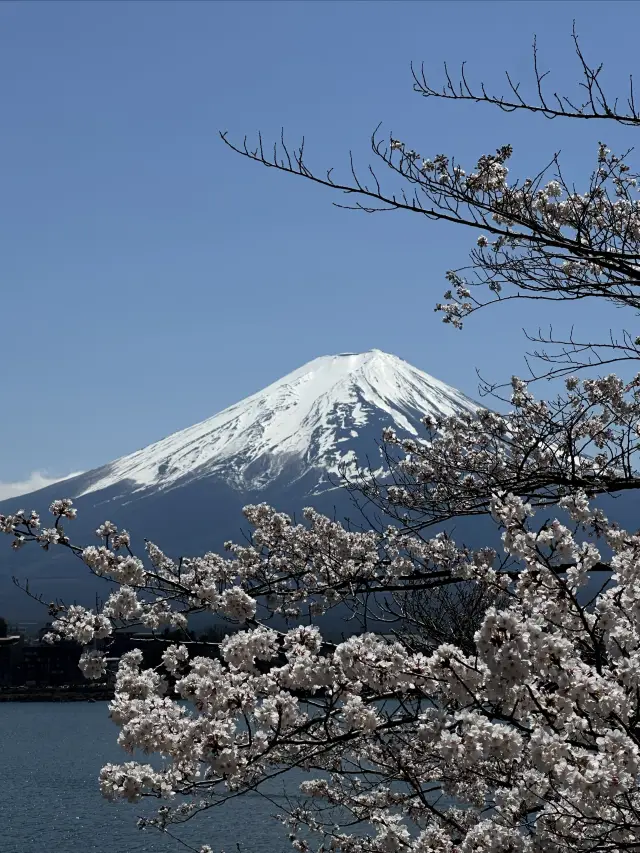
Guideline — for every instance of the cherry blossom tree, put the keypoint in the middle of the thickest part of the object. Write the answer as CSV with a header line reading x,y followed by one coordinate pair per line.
x,y
524,738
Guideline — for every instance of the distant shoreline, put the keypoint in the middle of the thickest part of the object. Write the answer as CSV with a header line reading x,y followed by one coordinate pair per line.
x,y
56,694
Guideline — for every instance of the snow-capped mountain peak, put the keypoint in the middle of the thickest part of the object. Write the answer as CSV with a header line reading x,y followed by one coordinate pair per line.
x,y
292,426
284,445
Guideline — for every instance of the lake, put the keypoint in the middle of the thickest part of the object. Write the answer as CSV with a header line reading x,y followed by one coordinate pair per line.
x,y
51,754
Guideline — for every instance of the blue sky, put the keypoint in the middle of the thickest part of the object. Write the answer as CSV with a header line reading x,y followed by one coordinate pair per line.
x,y
150,277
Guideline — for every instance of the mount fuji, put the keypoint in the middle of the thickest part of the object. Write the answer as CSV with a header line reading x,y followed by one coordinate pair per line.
x,y
284,445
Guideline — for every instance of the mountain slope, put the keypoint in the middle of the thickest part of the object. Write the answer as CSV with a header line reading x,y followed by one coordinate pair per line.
x,y
281,445
302,420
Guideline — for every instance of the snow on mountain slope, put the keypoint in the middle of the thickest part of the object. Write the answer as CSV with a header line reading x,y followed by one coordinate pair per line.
x,y
296,424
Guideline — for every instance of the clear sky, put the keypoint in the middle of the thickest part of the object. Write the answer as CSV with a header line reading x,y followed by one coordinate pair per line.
x,y
150,277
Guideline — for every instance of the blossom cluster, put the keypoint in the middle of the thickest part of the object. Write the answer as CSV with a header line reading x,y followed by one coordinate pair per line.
x,y
586,439
539,235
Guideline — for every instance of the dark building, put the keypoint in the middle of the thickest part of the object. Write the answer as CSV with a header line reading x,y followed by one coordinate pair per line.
x,y
25,663
10,657
38,664
46,665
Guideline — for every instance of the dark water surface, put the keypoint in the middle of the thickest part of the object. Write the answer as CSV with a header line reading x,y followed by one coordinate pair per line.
x,y
50,757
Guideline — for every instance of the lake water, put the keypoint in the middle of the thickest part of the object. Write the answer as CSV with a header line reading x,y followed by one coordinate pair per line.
x,y
50,757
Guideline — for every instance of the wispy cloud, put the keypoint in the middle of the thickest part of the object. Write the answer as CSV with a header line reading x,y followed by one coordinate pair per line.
x,y
36,480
